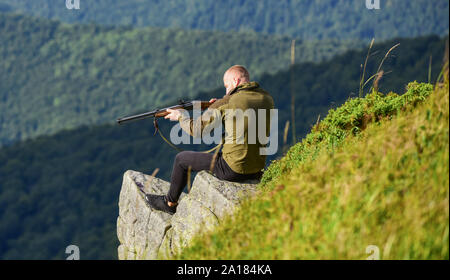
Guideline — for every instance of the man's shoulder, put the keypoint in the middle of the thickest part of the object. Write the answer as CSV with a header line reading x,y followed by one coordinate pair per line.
x,y
249,88
253,92
252,87
220,102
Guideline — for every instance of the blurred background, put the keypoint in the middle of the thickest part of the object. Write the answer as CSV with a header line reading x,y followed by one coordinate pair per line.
x,y
66,75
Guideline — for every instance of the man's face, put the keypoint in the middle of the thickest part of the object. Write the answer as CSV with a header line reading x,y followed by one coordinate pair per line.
x,y
230,82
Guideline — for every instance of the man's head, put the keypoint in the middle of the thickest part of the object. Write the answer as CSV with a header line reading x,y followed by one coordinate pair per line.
x,y
235,76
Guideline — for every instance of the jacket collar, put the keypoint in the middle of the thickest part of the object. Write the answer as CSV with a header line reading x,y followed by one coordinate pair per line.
x,y
249,85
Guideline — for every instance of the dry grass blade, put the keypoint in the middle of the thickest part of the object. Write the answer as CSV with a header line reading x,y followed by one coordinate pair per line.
x,y
429,68
318,119
386,56
376,76
213,161
294,137
361,82
189,179
286,130
147,185
381,64
377,80
443,76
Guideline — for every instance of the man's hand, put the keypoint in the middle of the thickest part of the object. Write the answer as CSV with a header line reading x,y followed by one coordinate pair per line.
x,y
173,115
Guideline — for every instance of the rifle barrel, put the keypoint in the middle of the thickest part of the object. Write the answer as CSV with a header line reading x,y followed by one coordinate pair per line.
x,y
137,117
162,112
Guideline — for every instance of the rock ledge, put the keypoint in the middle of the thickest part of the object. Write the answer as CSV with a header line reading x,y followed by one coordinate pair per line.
x,y
147,234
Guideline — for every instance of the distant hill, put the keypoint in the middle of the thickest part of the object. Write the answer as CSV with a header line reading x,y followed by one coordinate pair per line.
x,y
298,18
63,189
55,76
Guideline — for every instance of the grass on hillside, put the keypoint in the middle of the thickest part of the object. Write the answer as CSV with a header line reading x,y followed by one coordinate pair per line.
x,y
373,172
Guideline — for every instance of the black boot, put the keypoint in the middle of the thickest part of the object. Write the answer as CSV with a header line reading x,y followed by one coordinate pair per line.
x,y
159,202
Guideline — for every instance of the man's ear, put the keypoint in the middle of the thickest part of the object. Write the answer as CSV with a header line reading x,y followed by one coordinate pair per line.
x,y
237,80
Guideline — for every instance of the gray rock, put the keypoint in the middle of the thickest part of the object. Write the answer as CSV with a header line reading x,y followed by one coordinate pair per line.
x,y
221,197
140,229
190,219
149,234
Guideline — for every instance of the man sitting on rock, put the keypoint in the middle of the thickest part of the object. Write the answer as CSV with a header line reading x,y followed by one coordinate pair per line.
x,y
239,160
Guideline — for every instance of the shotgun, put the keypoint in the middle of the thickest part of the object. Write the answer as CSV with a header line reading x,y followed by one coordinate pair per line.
x,y
160,113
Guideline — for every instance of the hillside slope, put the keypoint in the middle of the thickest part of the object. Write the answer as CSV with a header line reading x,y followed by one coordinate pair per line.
x,y
299,18
374,172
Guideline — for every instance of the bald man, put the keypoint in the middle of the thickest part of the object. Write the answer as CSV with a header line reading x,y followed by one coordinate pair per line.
x,y
238,160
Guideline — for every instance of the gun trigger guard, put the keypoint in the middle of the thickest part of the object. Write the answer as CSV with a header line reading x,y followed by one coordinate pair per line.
x,y
155,123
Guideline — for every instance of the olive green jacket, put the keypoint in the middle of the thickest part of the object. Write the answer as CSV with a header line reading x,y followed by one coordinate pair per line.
x,y
241,149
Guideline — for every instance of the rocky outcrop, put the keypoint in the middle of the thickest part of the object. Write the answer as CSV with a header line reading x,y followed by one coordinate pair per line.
x,y
139,229
145,233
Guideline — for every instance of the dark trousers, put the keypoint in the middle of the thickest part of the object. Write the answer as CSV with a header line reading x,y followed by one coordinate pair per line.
x,y
201,161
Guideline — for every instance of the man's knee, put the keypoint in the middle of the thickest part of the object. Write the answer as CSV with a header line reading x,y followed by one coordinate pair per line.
x,y
181,158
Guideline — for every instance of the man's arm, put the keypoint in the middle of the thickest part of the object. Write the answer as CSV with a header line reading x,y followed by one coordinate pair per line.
x,y
211,117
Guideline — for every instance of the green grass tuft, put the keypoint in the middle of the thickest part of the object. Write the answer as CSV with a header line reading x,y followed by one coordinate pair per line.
x,y
351,118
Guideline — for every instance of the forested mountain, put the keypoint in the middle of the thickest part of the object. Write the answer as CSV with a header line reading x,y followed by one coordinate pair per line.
x,y
55,76
299,18
63,189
